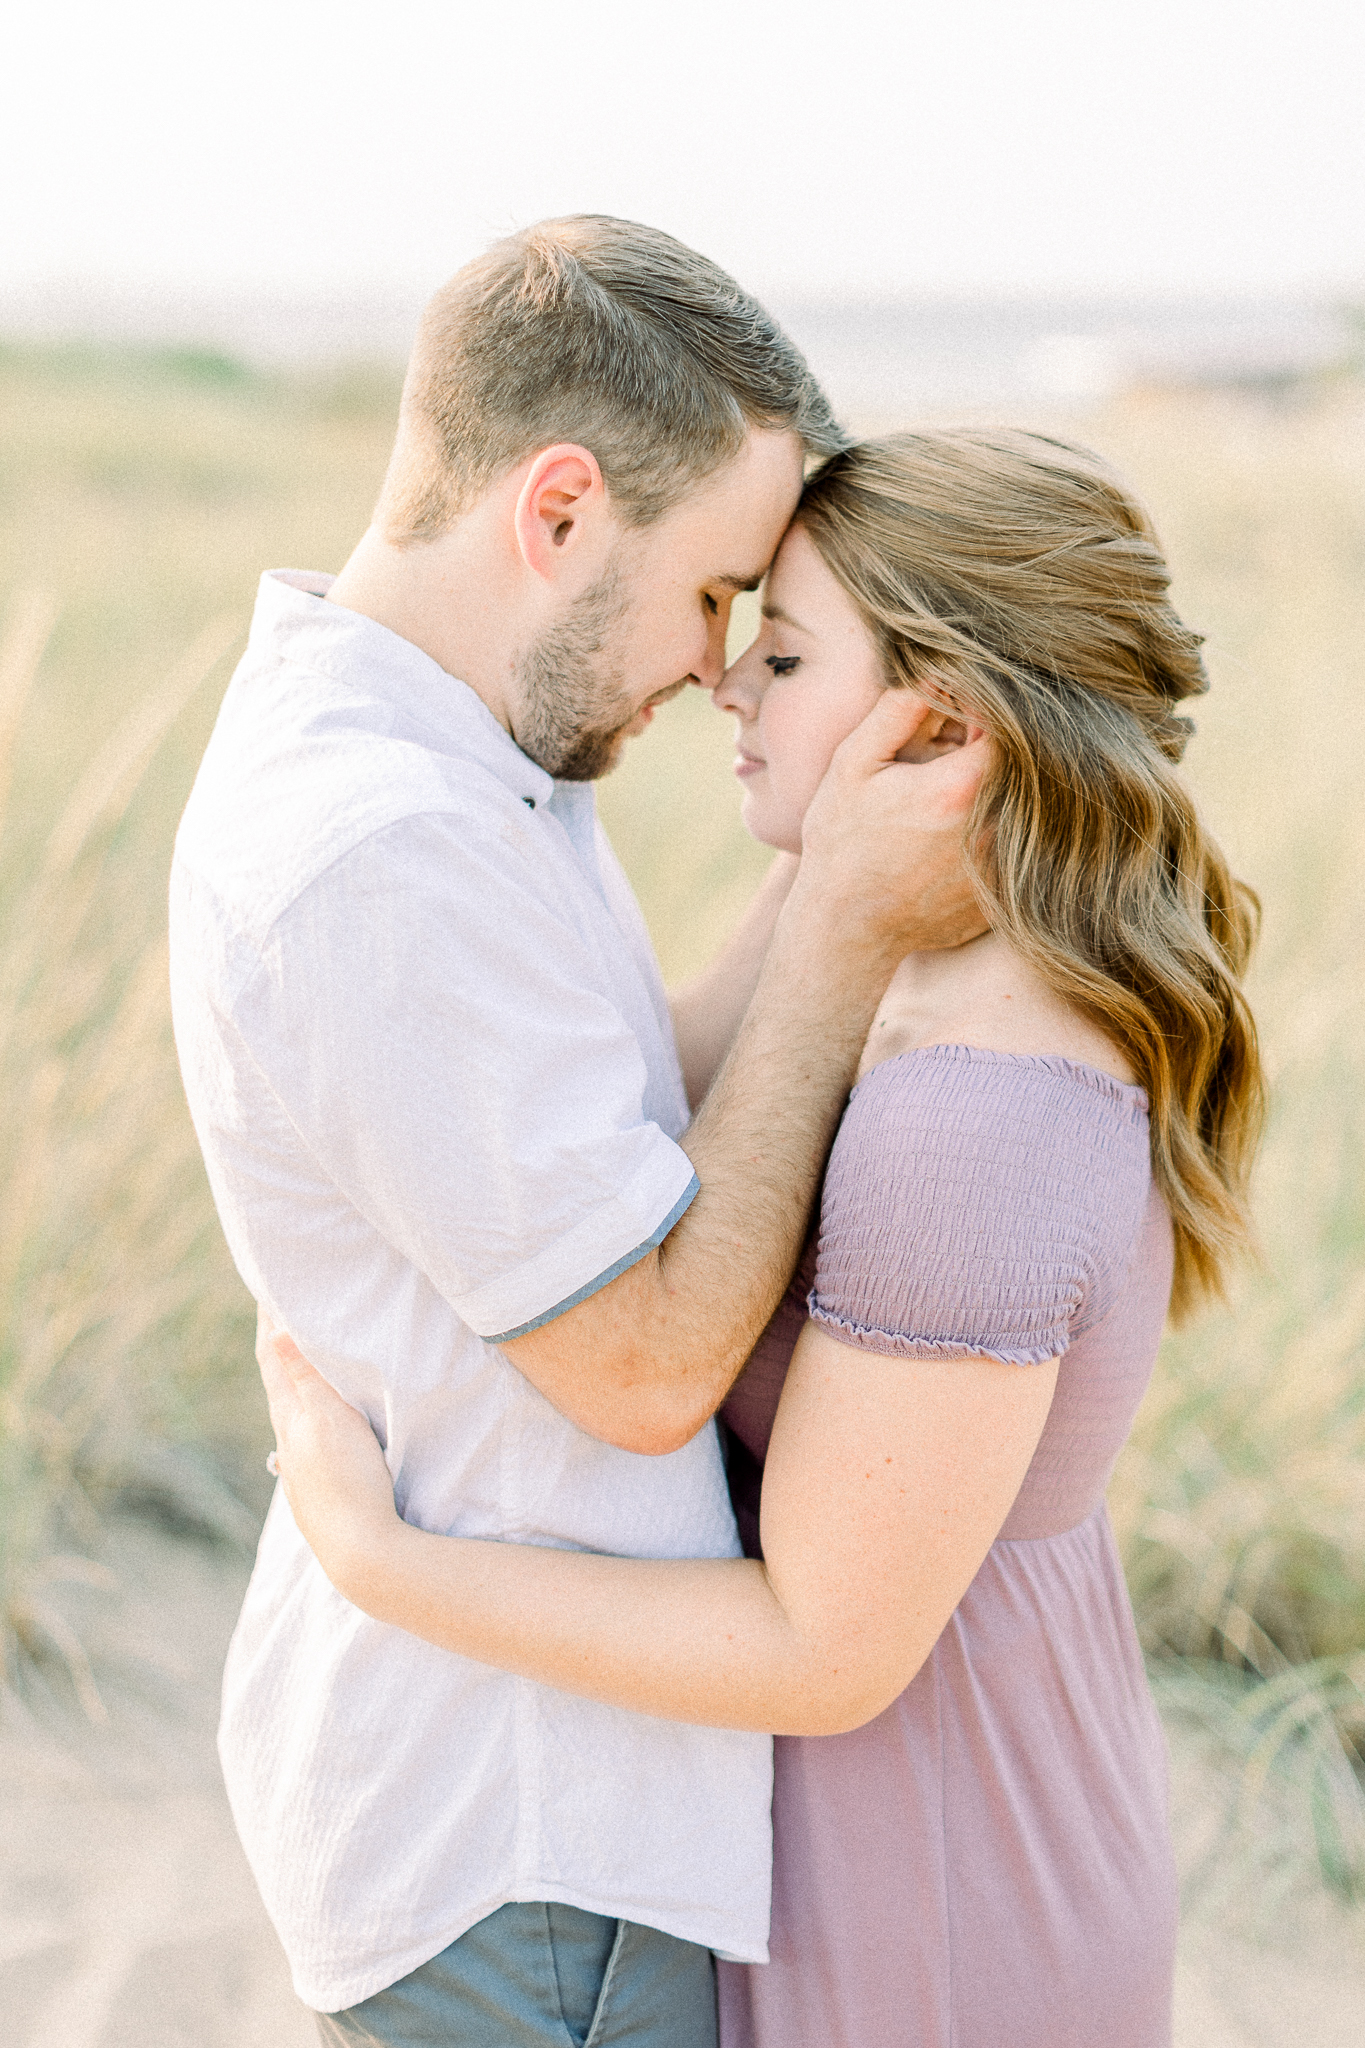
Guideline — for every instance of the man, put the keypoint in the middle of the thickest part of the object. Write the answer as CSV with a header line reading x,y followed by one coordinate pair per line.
x,y
434,1076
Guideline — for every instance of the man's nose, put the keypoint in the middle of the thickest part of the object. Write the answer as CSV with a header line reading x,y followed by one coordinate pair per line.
x,y
712,668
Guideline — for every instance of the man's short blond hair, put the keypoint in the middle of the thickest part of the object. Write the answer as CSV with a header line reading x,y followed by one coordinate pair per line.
x,y
601,332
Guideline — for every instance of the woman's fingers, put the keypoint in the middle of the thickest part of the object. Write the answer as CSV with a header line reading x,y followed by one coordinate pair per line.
x,y
329,1459
280,1396
281,1346
265,1329
282,1363
298,1395
287,1376
277,1381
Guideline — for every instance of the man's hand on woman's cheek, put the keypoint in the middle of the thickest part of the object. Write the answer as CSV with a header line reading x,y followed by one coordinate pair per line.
x,y
888,835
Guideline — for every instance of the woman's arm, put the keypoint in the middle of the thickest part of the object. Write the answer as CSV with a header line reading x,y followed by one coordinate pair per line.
x,y
708,1009
887,1480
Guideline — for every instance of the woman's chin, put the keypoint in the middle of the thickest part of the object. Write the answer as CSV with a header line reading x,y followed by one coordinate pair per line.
x,y
782,834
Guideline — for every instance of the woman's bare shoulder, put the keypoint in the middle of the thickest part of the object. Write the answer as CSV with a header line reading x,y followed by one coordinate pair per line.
x,y
984,995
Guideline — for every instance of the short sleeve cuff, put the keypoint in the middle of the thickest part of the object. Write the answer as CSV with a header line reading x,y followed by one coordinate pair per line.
x,y
616,1236
897,1344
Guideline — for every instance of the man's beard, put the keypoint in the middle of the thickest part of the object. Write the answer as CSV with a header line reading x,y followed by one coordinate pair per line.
x,y
573,702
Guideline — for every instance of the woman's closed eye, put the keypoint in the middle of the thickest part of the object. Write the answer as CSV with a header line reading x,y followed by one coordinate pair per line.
x,y
781,664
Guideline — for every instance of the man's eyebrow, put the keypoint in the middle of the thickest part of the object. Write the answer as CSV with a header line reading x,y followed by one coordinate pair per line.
x,y
733,582
775,611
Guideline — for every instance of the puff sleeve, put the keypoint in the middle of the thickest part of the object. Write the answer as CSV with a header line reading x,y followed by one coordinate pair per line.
x,y
979,1204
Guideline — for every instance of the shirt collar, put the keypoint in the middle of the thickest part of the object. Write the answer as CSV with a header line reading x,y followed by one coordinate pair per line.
x,y
294,622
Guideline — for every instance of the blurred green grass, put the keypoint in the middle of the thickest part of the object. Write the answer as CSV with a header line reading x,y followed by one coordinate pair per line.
x,y
141,496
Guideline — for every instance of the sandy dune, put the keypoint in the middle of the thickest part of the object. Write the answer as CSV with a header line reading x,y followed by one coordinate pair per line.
x,y
128,1918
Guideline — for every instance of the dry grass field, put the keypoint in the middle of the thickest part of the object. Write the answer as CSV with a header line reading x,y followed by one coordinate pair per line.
x,y
139,499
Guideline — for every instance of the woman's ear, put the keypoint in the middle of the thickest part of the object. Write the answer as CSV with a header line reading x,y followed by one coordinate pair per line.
x,y
951,733
941,733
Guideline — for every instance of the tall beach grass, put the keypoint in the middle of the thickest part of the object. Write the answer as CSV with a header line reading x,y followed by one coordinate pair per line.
x,y
141,498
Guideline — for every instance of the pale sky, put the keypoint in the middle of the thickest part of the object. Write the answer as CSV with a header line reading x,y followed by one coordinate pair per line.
x,y
855,146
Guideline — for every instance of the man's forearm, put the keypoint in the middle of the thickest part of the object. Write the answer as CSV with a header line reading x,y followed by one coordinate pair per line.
x,y
761,1138
708,1010
646,1361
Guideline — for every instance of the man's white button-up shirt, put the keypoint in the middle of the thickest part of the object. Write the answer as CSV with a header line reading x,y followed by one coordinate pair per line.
x,y
431,1067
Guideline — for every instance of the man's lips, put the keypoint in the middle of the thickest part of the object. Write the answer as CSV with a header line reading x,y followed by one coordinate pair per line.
x,y
652,704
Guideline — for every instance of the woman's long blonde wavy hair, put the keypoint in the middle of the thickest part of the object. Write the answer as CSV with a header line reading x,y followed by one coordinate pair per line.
x,y
1013,578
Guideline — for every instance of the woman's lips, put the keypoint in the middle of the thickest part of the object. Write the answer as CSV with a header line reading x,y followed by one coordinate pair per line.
x,y
748,764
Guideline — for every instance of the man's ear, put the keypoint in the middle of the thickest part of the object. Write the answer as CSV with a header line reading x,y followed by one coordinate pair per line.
x,y
563,495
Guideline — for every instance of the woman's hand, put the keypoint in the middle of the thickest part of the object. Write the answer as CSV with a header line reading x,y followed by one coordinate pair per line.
x,y
330,1465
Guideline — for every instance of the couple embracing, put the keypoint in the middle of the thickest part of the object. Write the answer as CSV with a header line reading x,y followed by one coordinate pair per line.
x,y
652,1379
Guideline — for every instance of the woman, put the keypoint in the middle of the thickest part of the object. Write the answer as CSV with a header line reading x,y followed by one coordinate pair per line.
x,y
1048,1143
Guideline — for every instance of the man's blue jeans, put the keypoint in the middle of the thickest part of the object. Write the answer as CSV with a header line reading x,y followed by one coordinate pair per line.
x,y
543,1976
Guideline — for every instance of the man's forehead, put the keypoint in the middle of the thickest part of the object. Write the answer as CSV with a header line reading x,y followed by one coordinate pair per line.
x,y
746,498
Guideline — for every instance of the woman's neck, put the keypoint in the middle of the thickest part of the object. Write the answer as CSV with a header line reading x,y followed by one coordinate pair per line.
x,y
984,994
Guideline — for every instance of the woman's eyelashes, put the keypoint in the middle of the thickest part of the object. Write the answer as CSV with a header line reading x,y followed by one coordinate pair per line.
x,y
781,664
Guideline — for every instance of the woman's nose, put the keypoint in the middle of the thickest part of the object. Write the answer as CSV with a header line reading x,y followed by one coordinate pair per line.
x,y
740,689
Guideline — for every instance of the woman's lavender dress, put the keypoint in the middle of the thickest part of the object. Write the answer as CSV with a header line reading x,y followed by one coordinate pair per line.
x,y
987,1864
